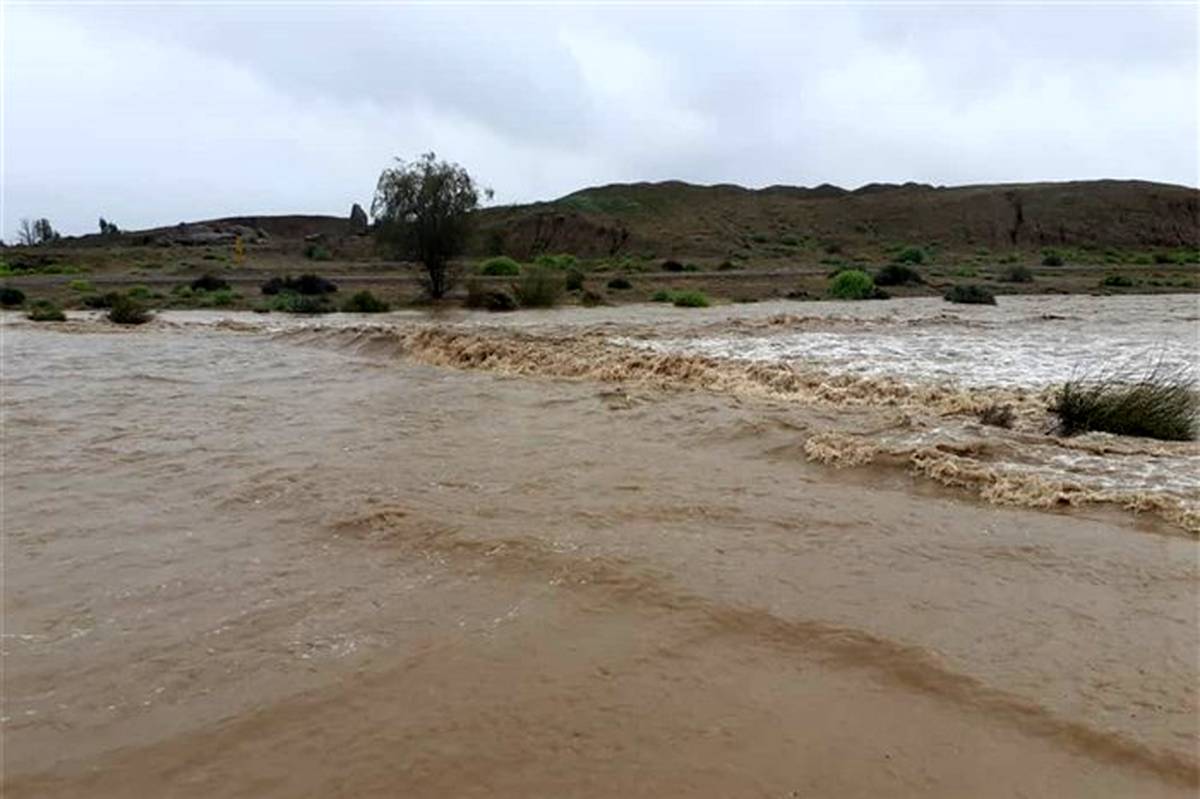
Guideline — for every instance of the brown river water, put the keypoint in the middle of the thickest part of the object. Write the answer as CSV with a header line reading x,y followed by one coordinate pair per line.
x,y
755,550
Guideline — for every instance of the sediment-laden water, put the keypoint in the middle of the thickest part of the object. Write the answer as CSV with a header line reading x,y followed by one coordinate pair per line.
x,y
590,551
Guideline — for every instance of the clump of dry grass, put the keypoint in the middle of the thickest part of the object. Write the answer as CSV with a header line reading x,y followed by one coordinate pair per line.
x,y
1161,402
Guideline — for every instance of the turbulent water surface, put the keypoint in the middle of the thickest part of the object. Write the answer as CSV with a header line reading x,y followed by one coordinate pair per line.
x,y
741,551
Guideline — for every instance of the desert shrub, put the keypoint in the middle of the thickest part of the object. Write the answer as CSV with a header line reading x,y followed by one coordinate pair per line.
x,y
970,295
101,301
560,261
365,302
852,284
662,295
671,265
82,286
128,310
997,415
965,271
1052,258
1017,274
690,299
217,299
789,241
910,255
292,302
619,283
1160,403
209,283
1163,258
590,299
897,275
727,266
11,297
308,284
139,292
500,266
1116,281
574,279
539,287
45,311
317,252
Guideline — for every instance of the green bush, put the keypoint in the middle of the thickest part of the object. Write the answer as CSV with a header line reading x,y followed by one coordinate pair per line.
x,y
970,295
910,255
897,275
690,299
539,287
620,284
965,271
139,292
574,280
662,295
365,302
1052,258
852,284
500,266
100,301
11,297
1162,403
560,261
82,286
1017,274
1116,281
317,252
127,310
46,311
671,265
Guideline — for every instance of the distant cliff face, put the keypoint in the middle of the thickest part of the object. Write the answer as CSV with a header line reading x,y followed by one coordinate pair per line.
x,y
683,219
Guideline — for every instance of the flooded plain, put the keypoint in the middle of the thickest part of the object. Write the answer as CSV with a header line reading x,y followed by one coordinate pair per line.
x,y
638,550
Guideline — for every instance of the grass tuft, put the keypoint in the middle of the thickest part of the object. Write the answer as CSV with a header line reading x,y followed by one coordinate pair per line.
x,y
1160,403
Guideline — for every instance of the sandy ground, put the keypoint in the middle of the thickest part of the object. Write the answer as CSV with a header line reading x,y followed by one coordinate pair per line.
x,y
237,565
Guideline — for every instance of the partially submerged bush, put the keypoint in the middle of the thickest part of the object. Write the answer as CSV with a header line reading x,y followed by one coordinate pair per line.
x,y
1017,274
997,416
591,299
620,284
365,302
690,299
662,295
127,310
308,284
1162,403
897,275
45,311
1116,281
209,283
11,297
970,295
500,266
852,284
539,287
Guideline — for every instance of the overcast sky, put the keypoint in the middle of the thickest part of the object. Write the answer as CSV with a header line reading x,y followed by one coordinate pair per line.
x,y
153,114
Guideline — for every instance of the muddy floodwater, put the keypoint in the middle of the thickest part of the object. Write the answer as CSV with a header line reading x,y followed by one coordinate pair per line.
x,y
763,550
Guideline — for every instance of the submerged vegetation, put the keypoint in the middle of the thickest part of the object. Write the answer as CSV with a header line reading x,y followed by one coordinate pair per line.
x,y
971,294
45,311
1160,403
852,284
128,310
539,287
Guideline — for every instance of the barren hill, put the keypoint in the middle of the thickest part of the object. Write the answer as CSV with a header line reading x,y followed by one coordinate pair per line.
x,y
678,219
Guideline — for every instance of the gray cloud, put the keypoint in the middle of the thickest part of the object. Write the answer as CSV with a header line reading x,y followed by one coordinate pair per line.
x,y
150,115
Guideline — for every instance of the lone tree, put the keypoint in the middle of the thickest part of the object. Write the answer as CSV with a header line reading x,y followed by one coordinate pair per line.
x,y
33,232
422,210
